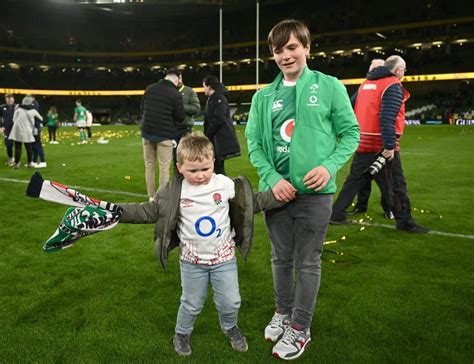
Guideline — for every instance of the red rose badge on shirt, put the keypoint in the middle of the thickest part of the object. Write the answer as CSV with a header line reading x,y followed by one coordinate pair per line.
x,y
217,198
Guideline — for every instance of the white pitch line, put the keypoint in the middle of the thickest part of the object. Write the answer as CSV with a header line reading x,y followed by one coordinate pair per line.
x,y
417,153
82,188
435,232
355,222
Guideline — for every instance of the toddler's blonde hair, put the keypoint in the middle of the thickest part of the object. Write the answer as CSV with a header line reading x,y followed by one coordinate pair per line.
x,y
194,147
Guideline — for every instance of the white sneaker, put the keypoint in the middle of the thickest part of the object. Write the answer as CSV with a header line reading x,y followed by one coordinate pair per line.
x,y
54,142
276,327
30,165
41,165
292,344
11,162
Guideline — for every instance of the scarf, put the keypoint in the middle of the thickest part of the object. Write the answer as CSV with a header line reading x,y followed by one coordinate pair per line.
x,y
88,216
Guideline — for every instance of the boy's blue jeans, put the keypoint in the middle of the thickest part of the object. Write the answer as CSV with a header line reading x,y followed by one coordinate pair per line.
x,y
195,280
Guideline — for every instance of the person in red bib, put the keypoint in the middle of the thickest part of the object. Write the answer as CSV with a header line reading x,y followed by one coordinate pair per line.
x,y
380,111
363,196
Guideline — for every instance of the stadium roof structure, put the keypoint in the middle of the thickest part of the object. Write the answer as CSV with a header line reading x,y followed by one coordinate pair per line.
x,y
130,36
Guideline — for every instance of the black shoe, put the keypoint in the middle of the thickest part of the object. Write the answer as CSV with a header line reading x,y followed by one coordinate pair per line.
x,y
413,228
356,210
389,215
339,222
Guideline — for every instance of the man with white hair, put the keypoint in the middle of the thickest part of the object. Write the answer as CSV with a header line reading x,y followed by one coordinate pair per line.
x,y
380,111
162,111
364,193
376,62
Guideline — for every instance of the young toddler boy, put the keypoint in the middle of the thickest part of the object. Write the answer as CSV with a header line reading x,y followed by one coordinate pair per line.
x,y
207,216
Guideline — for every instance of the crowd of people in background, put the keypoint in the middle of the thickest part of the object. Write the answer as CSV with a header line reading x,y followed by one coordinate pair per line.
x,y
21,125
168,109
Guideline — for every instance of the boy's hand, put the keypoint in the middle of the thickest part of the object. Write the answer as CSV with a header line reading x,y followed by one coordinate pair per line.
x,y
317,178
284,191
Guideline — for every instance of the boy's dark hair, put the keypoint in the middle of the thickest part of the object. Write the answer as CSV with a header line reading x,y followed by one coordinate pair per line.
x,y
78,101
212,81
173,71
281,33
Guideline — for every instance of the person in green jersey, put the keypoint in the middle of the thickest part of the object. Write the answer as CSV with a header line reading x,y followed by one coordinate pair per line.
x,y
80,118
301,130
52,124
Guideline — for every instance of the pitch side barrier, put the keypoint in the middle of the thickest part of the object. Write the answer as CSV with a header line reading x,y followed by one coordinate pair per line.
x,y
251,87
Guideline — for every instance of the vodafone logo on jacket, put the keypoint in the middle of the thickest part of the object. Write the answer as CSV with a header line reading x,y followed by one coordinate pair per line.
x,y
286,130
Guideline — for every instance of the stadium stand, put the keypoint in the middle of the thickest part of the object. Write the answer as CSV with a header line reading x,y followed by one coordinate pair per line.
x,y
128,46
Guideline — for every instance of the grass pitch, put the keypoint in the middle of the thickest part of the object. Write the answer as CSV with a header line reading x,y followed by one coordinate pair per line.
x,y
386,296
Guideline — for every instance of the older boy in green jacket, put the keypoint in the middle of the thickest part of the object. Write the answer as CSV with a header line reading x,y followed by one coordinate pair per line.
x,y
301,130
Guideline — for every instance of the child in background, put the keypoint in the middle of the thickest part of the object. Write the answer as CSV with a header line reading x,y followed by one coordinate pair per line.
x,y
207,216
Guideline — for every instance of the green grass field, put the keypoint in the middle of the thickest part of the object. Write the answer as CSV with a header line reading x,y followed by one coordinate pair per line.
x,y
386,296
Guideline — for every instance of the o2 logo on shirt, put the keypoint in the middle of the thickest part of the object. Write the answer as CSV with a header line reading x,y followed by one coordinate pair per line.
x,y
206,226
286,130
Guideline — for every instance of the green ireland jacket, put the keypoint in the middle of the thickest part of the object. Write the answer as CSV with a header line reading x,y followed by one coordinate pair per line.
x,y
326,130
163,212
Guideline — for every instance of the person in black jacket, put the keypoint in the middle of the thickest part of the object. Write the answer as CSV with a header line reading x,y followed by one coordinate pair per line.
x,y
218,126
6,125
162,112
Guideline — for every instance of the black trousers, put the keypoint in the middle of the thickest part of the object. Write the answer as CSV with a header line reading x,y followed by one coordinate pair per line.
x,y
364,195
219,166
218,162
29,151
38,150
52,133
8,145
390,180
